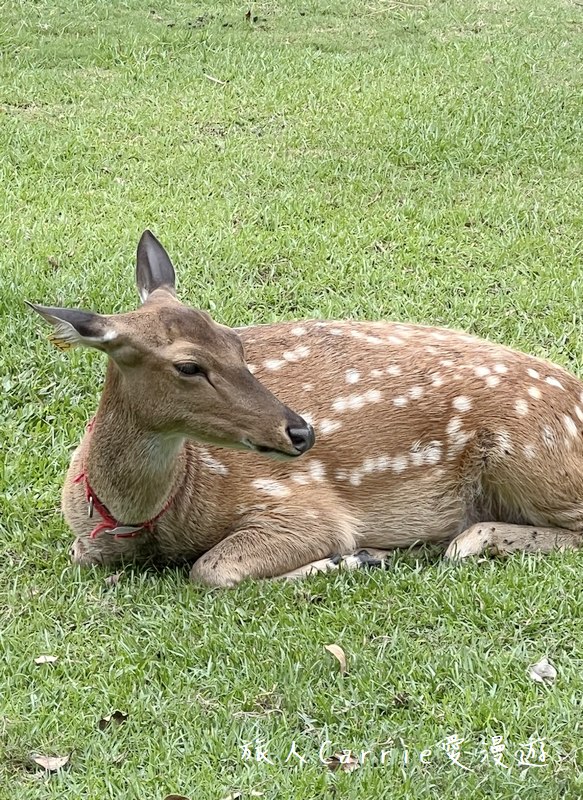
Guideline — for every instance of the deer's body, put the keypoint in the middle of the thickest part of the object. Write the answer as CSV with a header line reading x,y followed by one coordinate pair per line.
x,y
422,434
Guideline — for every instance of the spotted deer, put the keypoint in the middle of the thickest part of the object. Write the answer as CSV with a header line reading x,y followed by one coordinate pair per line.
x,y
400,434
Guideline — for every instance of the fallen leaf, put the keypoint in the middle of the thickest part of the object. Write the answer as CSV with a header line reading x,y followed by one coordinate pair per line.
x,y
338,653
118,718
345,762
542,672
51,763
113,580
46,659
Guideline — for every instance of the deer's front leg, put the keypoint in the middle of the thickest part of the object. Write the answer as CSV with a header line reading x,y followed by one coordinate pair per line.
x,y
271,547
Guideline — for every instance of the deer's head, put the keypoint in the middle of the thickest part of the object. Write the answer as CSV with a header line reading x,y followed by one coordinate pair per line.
x,y
179,371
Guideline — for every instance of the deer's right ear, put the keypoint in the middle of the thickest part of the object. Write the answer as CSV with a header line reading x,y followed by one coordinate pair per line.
x,y
154,269
75,328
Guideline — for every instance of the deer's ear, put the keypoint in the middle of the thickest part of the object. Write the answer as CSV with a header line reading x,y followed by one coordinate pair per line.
x,y
154,269
75,328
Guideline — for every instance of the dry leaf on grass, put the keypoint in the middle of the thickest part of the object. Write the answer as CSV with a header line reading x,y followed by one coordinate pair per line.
x,y
339,654
51,763
46,659
113,580
542,672
345,762
117,718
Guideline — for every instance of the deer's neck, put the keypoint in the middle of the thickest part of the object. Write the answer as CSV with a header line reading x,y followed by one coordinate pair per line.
x,y
133,471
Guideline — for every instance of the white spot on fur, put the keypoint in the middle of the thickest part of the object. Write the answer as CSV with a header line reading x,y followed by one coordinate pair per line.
x,y
554,382
416,392
481,372
274,363
400,402
492,381
454,425
502,369
433,452
521,407
462,403
352,376
329,426
356,477
533,373
373,465
317,470
440,337
354,402
252,368
299,330
376,373
534,392
447,362
291,355
271,487
399,464
340,404
308,417
570,425
211,463
395,340
436,380
308,387
421,454
373,396
402,330
300,478
383,463
504,441
579,413
374,340
431,349
297,354
456,443
336,331
529,450
368,465
394,371
549,436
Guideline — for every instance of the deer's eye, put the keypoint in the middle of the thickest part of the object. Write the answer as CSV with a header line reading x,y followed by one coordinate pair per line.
x,y
188,368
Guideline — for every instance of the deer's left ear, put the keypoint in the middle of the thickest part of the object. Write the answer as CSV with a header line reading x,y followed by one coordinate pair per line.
x,y
75,328
154,269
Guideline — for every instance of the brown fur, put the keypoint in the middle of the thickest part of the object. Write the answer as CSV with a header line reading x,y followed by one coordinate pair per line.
x,y
422,434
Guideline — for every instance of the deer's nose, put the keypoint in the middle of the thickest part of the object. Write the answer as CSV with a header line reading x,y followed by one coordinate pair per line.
x,y
302,438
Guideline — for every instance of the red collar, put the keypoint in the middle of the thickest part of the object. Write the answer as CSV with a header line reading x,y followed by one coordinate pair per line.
x,y
109,523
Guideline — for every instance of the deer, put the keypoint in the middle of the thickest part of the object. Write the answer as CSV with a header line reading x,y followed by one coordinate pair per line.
x,y
279,450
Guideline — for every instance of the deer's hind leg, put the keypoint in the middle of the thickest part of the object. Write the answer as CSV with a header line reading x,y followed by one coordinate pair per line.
x,y
533,508
502,539
276,541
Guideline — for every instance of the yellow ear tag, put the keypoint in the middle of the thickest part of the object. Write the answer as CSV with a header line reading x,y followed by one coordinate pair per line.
x,y
62,344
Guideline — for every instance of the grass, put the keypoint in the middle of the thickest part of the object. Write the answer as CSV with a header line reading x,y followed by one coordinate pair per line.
x,y
417,161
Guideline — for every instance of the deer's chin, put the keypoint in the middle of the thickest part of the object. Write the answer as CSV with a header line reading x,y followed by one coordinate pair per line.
x,y
247,446
277,455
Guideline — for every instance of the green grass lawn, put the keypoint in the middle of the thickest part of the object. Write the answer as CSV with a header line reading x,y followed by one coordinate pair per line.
x,y
409,160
